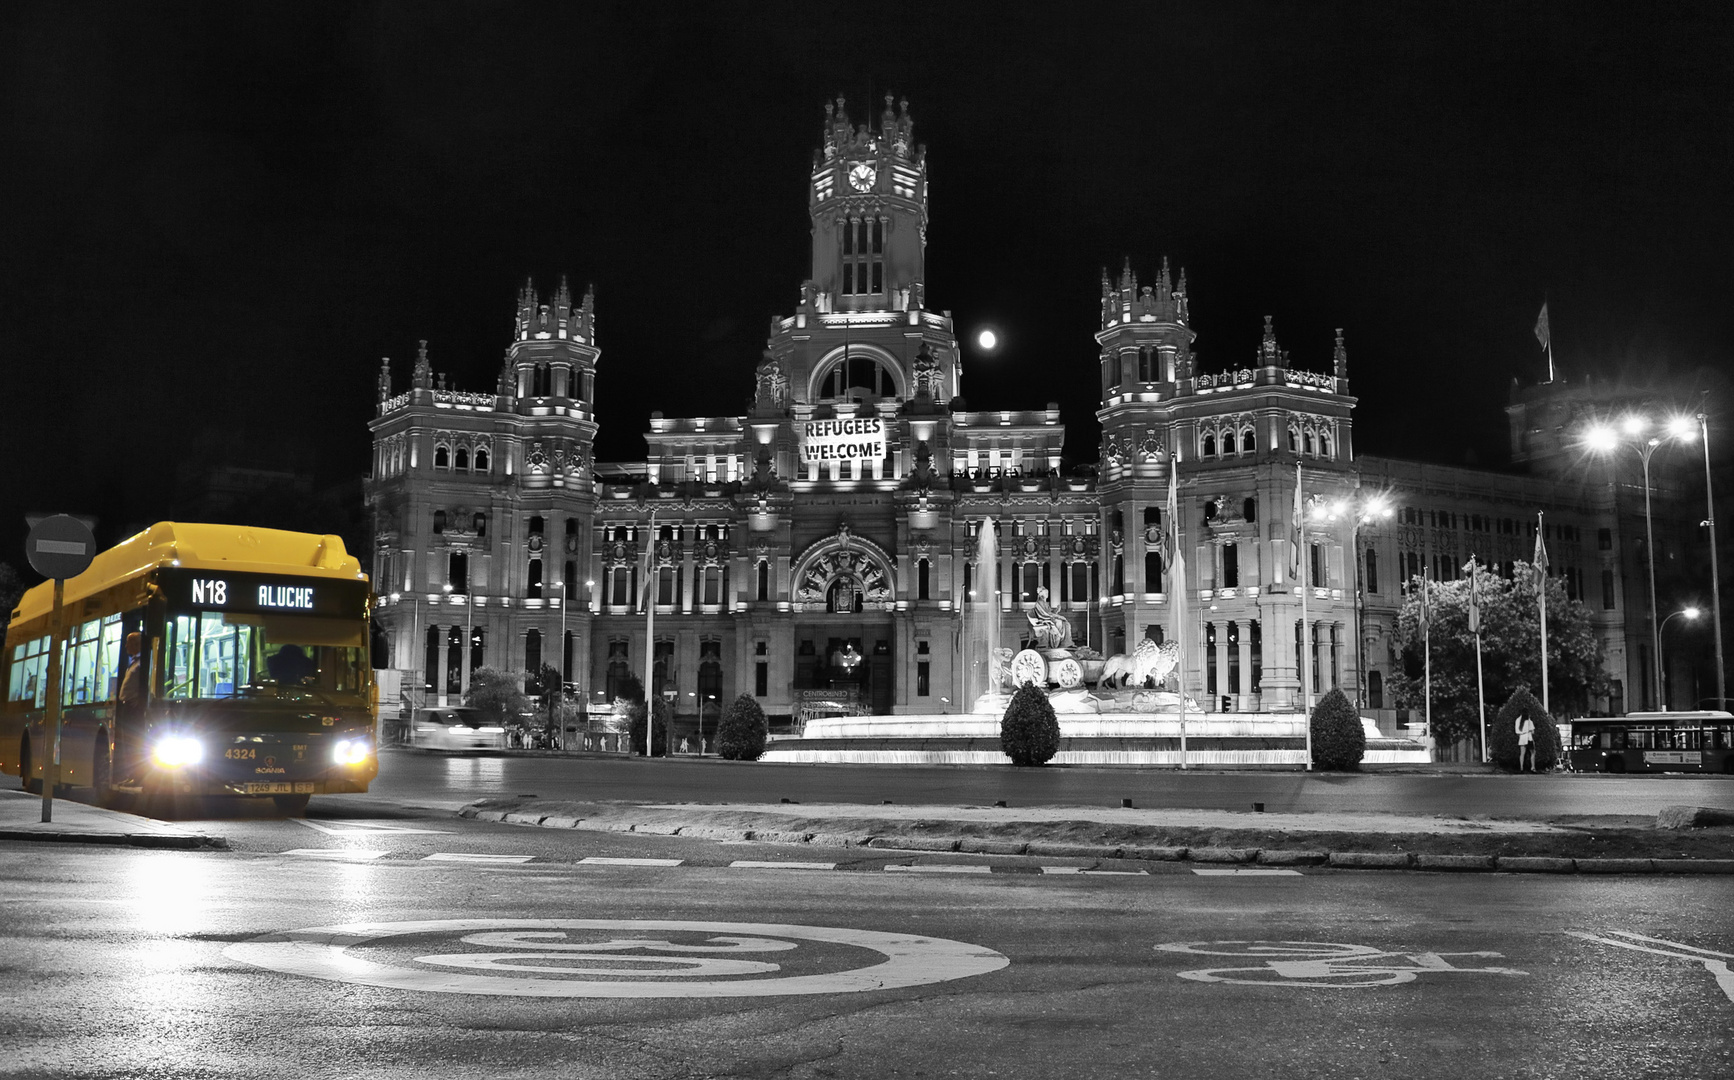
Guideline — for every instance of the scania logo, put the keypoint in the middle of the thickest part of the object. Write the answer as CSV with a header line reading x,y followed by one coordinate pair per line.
x,y
262,769
270,761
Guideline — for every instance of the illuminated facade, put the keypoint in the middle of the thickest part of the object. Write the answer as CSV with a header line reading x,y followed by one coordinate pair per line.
x,y
822,546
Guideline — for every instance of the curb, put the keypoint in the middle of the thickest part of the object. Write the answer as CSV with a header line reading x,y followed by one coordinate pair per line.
x,y
161,841
974,845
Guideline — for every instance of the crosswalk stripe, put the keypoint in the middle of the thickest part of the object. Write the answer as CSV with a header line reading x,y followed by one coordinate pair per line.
x,y
1101,873
339,854
744,864
599,860
941,869
1232,871
475,857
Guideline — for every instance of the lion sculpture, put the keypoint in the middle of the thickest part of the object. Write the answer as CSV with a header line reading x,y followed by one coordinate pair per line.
x,y
1148,661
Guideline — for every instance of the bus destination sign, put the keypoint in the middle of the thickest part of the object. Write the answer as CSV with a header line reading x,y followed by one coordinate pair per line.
x,y
245,592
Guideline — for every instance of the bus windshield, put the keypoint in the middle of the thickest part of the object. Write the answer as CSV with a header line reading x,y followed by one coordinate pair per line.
x,y
229,654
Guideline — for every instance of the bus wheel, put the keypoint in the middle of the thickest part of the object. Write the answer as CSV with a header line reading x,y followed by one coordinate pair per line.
x,y
291,804
26,767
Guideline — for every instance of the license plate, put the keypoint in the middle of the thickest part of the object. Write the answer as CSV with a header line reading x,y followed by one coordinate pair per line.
x,y
271,789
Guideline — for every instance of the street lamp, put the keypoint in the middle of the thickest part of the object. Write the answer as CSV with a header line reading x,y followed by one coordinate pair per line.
x,y
405,692
1715,577
1635,431
1690,615
1361,508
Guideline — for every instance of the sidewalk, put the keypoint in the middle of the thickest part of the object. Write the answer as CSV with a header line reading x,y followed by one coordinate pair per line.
x,y
80,823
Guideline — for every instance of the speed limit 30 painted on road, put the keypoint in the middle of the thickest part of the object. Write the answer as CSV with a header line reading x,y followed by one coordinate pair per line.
x,y
615,958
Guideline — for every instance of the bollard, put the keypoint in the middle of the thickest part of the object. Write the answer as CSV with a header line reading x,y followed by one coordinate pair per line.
x,y
1127,803
1258,808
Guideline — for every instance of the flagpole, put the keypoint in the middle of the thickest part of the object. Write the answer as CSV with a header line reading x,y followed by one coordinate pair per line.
x,y
1177,595
1427,655
649,637
1541,588
1306,656
1475,617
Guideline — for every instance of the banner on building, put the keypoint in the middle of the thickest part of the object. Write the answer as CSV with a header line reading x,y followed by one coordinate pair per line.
x,y
854,438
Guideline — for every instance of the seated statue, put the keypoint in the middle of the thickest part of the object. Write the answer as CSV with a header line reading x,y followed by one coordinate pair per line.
x,y
1052,630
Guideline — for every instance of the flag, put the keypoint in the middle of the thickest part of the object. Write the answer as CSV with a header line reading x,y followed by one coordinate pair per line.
x,y
1294,533
1541,331
644,582
1426,605
1176,561
1540,559
1474,571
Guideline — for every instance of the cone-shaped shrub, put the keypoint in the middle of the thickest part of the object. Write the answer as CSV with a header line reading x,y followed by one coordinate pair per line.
x,y
1338,741
1030,732
1502,733
658,735
742,733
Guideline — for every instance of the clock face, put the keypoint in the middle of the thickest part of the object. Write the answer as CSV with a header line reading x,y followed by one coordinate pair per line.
x,y
861,177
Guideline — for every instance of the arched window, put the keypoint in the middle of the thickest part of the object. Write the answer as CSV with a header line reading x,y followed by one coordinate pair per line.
x,y
1209,445
442,456
533,652
1146,364
1310,444
480,523
764,579
923,579
1249,510
439,522
462,460
858,377
1153,572
1248,442
1324,445
1375,690
1293,441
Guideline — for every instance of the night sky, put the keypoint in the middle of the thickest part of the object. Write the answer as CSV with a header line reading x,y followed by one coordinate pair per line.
x,y
221,216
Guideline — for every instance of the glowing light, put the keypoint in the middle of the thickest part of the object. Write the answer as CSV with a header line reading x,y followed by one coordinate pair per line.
x,y
1601,437
1635,425
177,750
1684,428
1691,613
988,340
351,751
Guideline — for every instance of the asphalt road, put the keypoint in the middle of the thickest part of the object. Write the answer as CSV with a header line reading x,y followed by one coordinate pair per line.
x,y
368,940
433,779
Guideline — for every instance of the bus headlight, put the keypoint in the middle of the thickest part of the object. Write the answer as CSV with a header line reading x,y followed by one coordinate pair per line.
x,y
351,751
174,751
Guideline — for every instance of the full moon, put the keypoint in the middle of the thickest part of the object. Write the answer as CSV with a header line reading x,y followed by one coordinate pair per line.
x,y
987,339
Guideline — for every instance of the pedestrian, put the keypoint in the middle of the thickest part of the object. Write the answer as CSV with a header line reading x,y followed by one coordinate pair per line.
x,y
1525,742
132,679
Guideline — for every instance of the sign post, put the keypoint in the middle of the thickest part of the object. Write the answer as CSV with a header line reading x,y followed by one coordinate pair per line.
x,y
58,547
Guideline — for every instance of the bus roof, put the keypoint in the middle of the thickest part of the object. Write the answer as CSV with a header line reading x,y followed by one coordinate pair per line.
x,y
1662,717
200,547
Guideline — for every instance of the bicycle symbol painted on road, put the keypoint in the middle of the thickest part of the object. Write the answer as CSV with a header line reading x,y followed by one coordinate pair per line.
x,y
1323,964
615,958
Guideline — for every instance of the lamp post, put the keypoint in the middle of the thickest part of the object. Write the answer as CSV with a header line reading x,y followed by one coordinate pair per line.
x,y
1636,429
1362,508
405,692
1715,577
1690,615
469,635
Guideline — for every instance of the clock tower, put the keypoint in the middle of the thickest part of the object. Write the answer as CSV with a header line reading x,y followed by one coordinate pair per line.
x,y
868,201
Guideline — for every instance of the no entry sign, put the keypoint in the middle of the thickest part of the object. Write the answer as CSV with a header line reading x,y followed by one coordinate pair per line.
x,y
60,546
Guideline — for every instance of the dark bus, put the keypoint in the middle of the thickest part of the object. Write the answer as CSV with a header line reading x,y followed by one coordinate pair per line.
x,y
1699,742
200,660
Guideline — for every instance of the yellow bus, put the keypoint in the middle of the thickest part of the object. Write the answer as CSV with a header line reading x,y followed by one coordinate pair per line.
x,y
200,660
1700,741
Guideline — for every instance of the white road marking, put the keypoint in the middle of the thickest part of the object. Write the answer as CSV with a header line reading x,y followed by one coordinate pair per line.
x,y
339,854
475,857
1098,873
598,860
1235,871
942,869
663,951
1321,964
363,828
744,864
1717,968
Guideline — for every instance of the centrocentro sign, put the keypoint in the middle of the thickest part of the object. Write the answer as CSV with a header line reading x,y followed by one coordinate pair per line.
x,y
615,958
853,438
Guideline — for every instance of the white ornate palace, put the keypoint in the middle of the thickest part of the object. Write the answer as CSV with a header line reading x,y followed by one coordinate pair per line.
x,y
822,546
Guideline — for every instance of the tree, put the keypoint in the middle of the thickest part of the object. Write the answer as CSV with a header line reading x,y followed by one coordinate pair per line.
x,y
659,733
1029,733
498,695
1339,741
11,591
1510,650
1502,732
548,685
741,735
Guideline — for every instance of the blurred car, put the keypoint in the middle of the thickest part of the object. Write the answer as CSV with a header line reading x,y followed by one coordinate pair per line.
x,y
456,727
